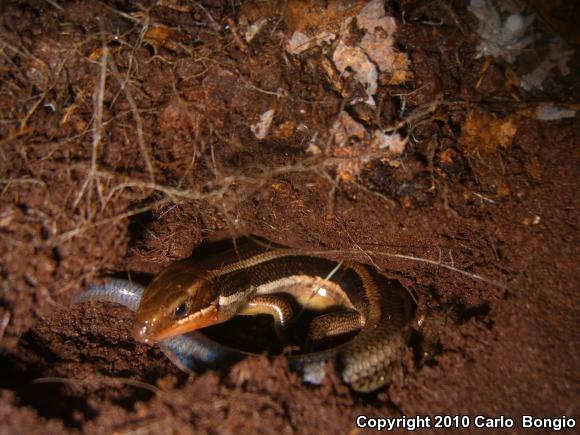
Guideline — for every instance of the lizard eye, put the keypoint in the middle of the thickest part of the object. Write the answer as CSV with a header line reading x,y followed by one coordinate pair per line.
x,y
180,310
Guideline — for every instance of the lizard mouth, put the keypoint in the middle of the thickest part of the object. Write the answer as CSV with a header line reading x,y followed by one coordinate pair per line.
x,y
154,330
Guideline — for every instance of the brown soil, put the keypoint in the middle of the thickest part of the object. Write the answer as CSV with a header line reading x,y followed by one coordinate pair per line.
x,y
125,143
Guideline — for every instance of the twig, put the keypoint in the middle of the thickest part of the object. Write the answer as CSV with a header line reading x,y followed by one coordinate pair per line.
x,y
138,121
213,22
473,276
4,323
105,380
55,5
98,129
438,263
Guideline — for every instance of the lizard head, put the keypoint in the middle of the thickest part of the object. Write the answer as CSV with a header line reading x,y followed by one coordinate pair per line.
x,y
178,300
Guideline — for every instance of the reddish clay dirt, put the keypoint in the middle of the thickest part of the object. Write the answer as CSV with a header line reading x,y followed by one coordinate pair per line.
x,y
126,143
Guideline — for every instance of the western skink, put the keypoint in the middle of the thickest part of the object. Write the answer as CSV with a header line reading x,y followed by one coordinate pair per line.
x,y
190,295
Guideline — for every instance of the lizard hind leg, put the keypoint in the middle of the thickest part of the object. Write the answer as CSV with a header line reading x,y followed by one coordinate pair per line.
x,y
330,328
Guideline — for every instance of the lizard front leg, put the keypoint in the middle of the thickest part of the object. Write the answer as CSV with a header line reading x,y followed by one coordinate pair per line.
x,y
276,306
